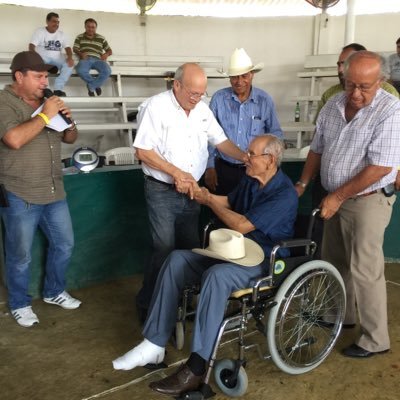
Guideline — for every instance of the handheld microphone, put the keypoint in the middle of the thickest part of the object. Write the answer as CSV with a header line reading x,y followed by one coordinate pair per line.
x,y
48,93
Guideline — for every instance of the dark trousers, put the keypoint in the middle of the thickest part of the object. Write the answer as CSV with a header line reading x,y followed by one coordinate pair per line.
x,y
229,175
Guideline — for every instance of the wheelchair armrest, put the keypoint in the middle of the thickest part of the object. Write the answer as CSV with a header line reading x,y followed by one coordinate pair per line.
x,y
259,284
295,243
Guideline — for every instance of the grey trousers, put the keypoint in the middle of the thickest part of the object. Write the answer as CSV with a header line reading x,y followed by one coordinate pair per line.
x,y
353,243
218,281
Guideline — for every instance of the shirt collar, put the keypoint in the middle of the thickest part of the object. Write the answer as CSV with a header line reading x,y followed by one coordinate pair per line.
x,y
174,100
88,38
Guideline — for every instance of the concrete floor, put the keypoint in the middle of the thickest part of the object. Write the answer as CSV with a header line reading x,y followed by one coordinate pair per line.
x,y
68,355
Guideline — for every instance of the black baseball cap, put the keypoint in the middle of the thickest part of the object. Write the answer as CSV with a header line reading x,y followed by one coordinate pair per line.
x,y
32,61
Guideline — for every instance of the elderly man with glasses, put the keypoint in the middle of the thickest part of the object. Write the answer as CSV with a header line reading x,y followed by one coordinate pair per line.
x,y
357,148
263,208
175,128
244,112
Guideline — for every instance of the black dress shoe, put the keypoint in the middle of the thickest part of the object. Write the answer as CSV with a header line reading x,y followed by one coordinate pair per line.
x,y
356,351
98,91
182,381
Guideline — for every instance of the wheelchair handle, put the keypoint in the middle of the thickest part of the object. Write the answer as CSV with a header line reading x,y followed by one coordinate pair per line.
x,y
311,222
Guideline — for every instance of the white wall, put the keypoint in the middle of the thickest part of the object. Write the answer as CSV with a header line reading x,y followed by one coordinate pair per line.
x,y
281,43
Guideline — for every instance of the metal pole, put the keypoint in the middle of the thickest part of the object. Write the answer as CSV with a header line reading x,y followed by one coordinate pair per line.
x,y
350,23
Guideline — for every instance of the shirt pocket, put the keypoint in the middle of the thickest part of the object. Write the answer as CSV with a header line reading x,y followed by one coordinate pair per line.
x,y
257,127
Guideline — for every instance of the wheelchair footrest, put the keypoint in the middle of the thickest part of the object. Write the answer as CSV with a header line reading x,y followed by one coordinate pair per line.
x,y
204,392
152,367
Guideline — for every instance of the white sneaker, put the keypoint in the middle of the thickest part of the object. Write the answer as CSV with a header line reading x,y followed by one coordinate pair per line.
x,y
25,316
144,353
64,300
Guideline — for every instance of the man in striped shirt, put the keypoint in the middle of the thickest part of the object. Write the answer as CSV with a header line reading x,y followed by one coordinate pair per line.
x,y
93,51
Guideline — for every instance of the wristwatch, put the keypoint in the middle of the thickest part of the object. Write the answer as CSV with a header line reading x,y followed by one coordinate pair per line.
x,y
302,184
73,127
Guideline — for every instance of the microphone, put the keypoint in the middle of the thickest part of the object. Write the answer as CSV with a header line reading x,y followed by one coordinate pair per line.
x,y
48,93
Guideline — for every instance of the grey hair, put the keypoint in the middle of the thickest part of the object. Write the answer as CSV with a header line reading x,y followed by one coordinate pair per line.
x,y
179,73
275,147
371,55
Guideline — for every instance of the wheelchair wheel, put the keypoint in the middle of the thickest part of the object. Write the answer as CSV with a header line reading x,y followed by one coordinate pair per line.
x,y
298,334
179,335
223,371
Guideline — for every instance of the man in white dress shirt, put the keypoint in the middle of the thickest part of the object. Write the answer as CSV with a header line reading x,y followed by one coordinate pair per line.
x,y
175,128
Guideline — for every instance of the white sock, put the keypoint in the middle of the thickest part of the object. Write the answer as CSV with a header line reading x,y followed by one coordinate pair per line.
x,y
144,353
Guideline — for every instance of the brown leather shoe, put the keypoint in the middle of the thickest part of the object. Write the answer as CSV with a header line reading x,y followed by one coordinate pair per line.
x,y
182,381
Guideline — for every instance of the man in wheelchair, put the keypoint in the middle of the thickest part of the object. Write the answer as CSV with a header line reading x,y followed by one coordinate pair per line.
x,y
263,208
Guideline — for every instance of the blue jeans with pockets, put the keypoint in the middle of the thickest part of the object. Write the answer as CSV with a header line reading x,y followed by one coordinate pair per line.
x,y
21,220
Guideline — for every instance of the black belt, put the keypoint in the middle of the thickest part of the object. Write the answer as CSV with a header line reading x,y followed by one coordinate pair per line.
x,y
231,165
150,178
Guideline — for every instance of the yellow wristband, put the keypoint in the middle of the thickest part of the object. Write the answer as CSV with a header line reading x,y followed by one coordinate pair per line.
x,y
44,117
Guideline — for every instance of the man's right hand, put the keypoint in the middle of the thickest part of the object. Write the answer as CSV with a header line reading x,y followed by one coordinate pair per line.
x,y
211,179
52,106
185,183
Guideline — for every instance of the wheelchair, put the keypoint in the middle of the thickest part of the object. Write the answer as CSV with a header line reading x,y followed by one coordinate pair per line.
x,y
299,308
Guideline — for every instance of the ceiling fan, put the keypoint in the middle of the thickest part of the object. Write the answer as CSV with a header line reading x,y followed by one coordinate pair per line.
x,y
324,4
145,5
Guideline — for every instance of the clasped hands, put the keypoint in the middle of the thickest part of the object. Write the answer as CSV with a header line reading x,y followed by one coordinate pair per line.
x,y
186,184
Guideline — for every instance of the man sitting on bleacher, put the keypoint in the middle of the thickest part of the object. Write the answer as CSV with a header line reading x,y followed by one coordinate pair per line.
x,y
49,42
263,208
93,51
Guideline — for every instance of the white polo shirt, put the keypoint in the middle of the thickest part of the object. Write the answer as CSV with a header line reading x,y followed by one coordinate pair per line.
x,y
176,137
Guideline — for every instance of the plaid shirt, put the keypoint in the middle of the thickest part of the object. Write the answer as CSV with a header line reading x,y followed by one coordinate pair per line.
x,y
372,137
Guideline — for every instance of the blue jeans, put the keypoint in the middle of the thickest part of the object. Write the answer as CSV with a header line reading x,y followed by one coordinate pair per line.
x,y
64,70
173,221
83,70
218,280
21,220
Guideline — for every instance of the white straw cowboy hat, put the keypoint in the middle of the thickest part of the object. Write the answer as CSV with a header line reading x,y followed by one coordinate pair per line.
x,y
241,63
232,246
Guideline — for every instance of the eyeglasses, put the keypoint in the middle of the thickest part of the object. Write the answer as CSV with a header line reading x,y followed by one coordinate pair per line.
x,y
193,95
252,155
351,87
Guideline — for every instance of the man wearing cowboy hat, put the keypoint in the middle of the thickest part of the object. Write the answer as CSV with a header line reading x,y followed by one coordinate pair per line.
x,y
244,112
262,211
34,196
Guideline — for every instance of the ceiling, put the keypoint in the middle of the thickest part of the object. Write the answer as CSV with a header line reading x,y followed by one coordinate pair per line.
x,y
218,8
